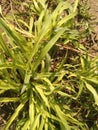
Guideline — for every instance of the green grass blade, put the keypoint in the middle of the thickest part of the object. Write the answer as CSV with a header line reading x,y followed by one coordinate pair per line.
x,y
7,86
26,125
4,46
31,108
93,91
15,114
41,93
7,99
66,19
62,117
13,35
42,123
2,91
31,24
36,122
47,48
75,5
58,11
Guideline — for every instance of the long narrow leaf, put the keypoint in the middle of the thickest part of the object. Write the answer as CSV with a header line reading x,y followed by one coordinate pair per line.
x,y
15,114
7,99
47,48
93,91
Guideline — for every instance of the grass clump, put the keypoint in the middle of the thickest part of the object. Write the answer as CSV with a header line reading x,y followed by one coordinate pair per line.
x,y
45,71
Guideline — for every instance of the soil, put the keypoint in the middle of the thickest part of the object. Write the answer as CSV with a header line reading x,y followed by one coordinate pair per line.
x,y
94,11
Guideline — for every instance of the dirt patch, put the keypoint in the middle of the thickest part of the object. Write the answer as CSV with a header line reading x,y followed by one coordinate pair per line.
x,y
94,11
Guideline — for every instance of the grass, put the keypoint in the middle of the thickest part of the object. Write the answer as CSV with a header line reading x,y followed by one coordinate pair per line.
x,y
48,85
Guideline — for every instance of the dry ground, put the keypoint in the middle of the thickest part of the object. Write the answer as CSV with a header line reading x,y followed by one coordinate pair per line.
x,y
94,11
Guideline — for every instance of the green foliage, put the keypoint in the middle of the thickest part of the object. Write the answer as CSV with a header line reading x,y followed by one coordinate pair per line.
x,y
42,97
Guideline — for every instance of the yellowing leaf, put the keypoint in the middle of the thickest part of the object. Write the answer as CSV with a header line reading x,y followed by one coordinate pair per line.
x,y
93,91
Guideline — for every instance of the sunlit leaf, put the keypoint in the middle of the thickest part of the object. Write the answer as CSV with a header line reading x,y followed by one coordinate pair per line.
x,y
93,91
